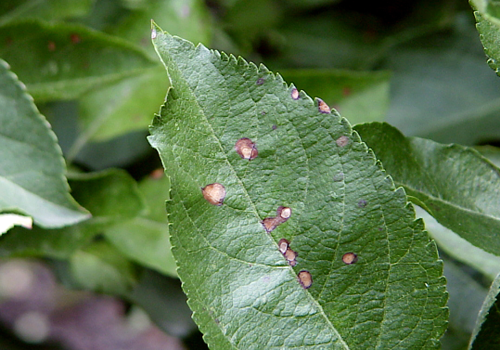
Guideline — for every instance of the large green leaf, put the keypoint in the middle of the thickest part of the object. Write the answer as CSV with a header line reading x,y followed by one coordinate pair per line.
x,y
487,13
243,292
32,167
456,184
111,196
486,334
70,59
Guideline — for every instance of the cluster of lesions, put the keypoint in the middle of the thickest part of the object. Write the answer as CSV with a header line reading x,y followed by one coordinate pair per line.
x,y
215,193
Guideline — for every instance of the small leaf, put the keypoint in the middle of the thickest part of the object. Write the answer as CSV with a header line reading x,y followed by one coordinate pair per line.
x,y
457,184
488,25
111,196
32,168
323,191
486,334
71,59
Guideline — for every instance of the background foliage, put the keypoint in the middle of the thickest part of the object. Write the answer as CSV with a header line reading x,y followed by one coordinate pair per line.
x,y
94,75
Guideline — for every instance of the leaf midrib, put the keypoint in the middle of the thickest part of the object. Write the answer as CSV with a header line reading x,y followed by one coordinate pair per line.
x,y
212,131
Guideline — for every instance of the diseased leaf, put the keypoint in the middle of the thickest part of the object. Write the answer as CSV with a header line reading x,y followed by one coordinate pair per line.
x,y
71,59
486,334
111,196
315,184
457,185
32,168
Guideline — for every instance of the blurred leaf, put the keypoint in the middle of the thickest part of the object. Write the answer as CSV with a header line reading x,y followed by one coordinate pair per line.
x,y
441,89
457,184
126,106
186,18
71,59
162,298
488,26
359,96
460,249
111,196
101,268
7,221
32,167
466,297
44,9
145,238
239,285
129,104
486,334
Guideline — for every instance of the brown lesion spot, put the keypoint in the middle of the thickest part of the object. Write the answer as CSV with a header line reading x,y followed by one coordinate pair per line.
x,y
305,279
295,94
350,258
282,215
322,106
246,148
214,193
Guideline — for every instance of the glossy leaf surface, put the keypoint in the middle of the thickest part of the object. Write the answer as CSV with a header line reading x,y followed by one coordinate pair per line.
x,y
242,290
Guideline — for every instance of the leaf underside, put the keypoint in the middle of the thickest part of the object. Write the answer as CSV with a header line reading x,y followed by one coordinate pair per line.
x,y
243,292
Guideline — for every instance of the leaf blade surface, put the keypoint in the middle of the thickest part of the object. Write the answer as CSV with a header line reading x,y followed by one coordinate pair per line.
x,y
243,292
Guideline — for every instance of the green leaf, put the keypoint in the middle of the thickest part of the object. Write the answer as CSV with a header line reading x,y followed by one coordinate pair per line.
x,y
101,268
243,292
126,106
43,9
129,104
71,59
486,334
32,168
460,249
359,96
488,26
145,238
111,196
457,184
